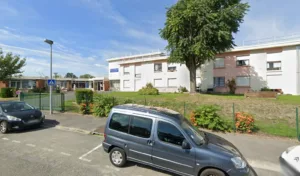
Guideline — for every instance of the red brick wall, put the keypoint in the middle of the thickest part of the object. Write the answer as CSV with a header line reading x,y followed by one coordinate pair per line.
x,y
3,84
40,84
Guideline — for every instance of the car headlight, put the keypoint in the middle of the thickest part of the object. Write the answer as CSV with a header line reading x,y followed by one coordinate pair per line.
x,y
238,162
290,149
43,115
12,118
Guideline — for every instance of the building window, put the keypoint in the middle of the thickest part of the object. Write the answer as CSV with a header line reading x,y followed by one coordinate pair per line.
x,y
219,81
242,62
275,65
243,81
171,68
138,71
138,75
168,133
126,70
219,63
158,67
140,127
158,83
126,84
172,82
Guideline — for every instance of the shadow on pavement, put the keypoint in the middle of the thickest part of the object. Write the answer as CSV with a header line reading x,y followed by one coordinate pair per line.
x,y
131,164
48,123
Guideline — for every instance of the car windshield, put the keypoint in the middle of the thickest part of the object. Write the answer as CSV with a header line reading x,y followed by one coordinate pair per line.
x,y
15,107
196,135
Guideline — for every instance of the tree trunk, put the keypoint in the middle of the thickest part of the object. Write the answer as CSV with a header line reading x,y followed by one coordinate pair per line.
x,y
192,68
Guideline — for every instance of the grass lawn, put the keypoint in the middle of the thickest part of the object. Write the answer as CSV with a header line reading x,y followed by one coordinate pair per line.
x,y
71,106
9,99
273,116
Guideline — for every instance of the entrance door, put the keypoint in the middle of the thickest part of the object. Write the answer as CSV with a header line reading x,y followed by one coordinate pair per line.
x,y
167,150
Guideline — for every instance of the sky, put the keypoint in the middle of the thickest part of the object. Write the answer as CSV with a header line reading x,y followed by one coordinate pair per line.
x,y
88,32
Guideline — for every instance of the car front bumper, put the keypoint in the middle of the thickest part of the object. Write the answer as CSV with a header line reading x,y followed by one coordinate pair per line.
x,y
249,171
287,169
23,124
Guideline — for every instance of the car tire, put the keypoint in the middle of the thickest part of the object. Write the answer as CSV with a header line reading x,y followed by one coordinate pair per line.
x,y
117,157
214,172
4,127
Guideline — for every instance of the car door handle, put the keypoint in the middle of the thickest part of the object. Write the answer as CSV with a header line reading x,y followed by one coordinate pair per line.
x,y
150,142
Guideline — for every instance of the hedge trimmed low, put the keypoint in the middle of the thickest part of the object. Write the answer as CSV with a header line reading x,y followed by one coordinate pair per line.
x,y
7,92
84,96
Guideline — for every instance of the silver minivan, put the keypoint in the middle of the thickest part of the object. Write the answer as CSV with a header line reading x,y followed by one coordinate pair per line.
x,y
163,139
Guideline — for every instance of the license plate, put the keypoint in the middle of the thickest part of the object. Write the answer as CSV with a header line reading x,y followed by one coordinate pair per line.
x,y
33,121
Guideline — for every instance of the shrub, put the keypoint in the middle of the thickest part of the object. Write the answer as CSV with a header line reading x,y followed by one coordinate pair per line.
x,y
148,90
244,122
265,89
37,90
84,96
231,84
206,116
7,92
86,108
182,89
103,104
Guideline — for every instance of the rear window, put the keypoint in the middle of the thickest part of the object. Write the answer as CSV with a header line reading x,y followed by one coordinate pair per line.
x,y
119,122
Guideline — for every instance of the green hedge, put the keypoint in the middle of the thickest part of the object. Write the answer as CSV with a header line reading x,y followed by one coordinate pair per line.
x,y
148,90
84,95
7,92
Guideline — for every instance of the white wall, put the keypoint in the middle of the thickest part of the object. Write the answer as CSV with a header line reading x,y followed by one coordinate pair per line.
x,y
115,75
289,70
206,76
258,69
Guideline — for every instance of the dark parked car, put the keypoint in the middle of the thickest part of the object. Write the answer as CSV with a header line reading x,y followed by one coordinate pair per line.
x,y
19,115
164,139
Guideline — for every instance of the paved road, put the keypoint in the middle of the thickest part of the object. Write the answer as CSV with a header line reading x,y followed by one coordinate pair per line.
x,y
56,152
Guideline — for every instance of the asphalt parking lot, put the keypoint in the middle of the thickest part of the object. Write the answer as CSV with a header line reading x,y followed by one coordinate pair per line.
x,y
51,151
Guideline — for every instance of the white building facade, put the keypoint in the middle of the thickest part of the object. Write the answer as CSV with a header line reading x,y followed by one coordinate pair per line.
x,y
134,72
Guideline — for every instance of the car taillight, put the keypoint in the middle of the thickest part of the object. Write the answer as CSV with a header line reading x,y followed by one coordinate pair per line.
x,y
104,136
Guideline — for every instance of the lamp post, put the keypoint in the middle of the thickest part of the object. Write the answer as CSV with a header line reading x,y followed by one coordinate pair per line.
x,y
50,42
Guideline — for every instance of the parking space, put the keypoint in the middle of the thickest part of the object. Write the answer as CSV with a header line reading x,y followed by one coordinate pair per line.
x,y
56,152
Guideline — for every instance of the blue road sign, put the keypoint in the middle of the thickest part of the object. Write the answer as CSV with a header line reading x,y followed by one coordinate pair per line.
x,y
51,82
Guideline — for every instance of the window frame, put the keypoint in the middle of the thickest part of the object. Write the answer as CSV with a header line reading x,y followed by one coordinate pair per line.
x,y
220,77
243,65
154,82
126,73
172,66
220,66
124,84
168,82
243,77
280,69
170,123
158,71
130,122
111,117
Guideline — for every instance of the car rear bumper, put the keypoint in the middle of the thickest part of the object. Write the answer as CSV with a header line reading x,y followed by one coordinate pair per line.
x,y
287,169
106,146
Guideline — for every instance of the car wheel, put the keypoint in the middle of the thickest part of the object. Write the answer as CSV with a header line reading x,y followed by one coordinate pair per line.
x,y
212,172
4,127
117,157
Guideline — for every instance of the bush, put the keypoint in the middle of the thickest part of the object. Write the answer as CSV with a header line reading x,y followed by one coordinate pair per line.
x,y
86,108
265,89
7,92
84,96
231,84
37,90
244,122
182,89
148,90
103,104
206,116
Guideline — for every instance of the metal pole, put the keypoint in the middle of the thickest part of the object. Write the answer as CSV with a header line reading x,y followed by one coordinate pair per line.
x,y
233,116
51,112
297,124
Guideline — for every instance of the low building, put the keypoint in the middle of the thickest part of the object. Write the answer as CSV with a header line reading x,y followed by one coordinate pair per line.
x,y
26,83
131,73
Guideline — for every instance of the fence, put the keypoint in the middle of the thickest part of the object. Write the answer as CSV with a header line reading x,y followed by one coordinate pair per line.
x,y
42,100
270,118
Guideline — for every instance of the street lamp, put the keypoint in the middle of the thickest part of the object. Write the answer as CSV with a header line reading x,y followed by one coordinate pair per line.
x,y
50,42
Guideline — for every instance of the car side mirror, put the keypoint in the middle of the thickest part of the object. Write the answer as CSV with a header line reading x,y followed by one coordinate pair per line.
x,y
185,145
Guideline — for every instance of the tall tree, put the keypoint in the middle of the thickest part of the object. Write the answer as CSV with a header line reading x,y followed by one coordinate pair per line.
x,y
86,76
56,75
70,75
10,65
197,30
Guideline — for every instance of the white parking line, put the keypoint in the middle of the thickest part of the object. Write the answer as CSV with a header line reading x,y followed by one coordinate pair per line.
x,y
16,141
66,154
6,139
47,149
30,145
89,152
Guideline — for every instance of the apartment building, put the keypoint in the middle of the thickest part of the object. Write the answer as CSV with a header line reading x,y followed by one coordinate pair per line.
x,y
131,73
275,65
